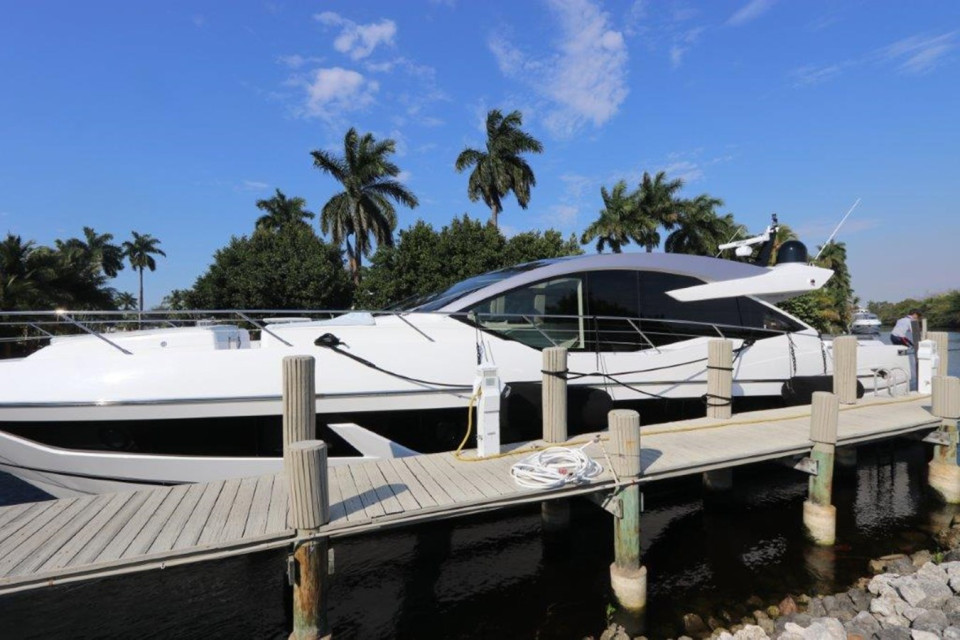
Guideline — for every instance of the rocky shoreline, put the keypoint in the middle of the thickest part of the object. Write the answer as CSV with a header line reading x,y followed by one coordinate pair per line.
x,y
909,598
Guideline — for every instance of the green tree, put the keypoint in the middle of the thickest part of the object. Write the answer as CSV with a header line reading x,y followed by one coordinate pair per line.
x,y
699,230
281,210
364,208
425,260
501,168
20,283
125,301
617,221
140,251
657,206
290,268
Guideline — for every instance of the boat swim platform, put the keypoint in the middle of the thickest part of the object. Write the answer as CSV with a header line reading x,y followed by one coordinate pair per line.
x,y
73,539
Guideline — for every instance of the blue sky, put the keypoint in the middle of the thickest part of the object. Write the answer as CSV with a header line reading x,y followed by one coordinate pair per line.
x,y
172,118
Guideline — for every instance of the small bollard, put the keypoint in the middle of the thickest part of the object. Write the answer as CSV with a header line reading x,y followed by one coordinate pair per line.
x,y
845,369
628,578
719,379
943,473
819,516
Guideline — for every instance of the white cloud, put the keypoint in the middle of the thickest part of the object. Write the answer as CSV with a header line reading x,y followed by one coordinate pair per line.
x,y
358,40
334,91
251,185
811,75
585,78
920,54
682,43
686,170
749,12
296,61
563,216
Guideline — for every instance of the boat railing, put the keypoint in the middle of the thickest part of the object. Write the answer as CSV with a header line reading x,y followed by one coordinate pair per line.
x,y
29,330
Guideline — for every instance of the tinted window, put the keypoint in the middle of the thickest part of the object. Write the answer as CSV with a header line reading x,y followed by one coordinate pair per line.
x,y
534,314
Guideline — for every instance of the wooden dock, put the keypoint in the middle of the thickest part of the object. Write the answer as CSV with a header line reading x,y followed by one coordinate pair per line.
x,y
65,540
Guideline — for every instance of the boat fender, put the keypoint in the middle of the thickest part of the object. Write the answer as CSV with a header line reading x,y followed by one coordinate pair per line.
x,y
799,390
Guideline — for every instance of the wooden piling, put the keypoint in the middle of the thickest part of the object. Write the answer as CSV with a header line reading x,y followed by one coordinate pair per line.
x,y
942,338
943,472
628,577
299,400
845,369
819,516
719,379
309,510
554,396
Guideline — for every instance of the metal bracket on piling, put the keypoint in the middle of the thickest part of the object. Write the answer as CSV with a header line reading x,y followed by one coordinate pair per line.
x,y
611,502
808,466
937,437
291,570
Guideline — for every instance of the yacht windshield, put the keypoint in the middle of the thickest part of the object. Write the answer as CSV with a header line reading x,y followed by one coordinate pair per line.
x,y
439,299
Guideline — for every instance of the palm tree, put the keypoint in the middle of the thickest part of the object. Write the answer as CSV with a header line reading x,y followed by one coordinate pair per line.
x,y
125,301
616,220
140,251
657,206
699,230
282,211
363,208
19,280
501,169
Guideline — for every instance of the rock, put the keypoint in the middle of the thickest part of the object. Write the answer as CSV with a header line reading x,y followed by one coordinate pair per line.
x,y
614,632
921,558
902,566
883,607
952,605
845,615
860,599
894,633
842,601
948,538
893,621
816,608
911,613
694,625
715,623
952,556
724,636
867,622
951,633
754,602
917,634
910,590
769,626
933,602
773,611
759,614
952,567
954,619
932,572
751,632
955,584
787,606
931,620
803,619
827,629
748,621
955,521
934,587
854,633
879,582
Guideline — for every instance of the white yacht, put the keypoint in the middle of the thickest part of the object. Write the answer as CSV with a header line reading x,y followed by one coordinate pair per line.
x,y
108,410
865,323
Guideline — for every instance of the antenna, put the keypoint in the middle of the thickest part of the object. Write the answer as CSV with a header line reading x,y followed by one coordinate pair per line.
x,y
830,239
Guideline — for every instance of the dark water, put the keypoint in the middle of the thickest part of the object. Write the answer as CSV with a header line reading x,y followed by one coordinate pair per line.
x,y
498,576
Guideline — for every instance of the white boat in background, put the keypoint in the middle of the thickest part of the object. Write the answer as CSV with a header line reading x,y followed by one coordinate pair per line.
x,y
865,323
119,407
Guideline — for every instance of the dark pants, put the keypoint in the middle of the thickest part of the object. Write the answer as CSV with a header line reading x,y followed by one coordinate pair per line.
x,y
900,340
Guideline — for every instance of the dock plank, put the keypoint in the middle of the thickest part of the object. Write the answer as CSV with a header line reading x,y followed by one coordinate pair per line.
x,y
452,481
167,535
413,484
218,514
279,504
388,500
78,541
97,543
41,534
445,494
191,531
240,511
406,498
352,503
131,528
154,525
22,519
10,513
338,509
366,493
260,507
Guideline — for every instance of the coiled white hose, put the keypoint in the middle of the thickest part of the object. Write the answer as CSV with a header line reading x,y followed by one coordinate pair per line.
x,y
554,467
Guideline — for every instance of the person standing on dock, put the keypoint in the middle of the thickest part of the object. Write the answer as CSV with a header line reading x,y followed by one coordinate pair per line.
x,y
903,331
